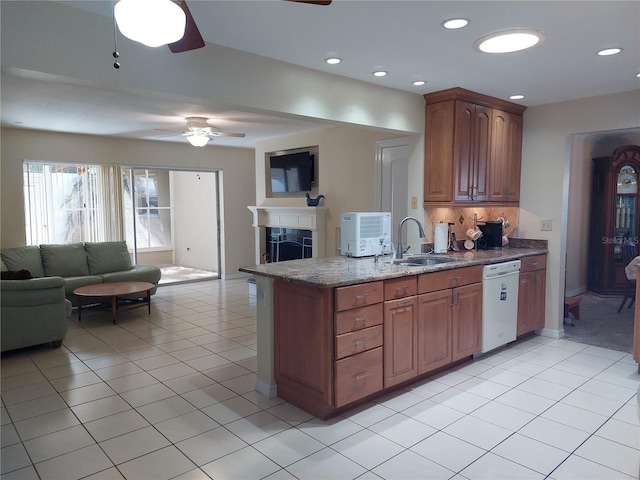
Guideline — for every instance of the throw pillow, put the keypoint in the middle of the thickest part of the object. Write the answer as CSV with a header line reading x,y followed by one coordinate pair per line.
x,y
16,275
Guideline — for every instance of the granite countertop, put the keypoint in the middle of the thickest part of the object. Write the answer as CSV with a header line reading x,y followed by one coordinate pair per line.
x,y
328,272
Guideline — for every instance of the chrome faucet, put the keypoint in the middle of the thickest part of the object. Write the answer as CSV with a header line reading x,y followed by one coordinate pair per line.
x,y
400,252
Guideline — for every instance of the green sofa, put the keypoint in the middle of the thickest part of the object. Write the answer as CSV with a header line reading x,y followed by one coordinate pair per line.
x,y
33,312
36,310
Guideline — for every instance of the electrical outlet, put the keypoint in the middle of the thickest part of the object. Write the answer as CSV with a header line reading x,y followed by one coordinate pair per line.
x,y
546,224
414,202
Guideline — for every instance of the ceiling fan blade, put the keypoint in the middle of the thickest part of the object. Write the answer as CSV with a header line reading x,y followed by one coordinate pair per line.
x,y
192,39
312,2
226,134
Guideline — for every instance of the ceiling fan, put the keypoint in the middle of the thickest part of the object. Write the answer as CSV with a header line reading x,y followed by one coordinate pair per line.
x,y
199,132
134,16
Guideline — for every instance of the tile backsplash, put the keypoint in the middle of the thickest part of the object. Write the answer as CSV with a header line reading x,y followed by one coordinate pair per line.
x,y
463,219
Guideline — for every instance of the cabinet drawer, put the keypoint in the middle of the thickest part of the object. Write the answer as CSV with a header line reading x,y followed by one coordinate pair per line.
x,y
358,295
400,287
358,376
358,318
358,342
432,282
529,264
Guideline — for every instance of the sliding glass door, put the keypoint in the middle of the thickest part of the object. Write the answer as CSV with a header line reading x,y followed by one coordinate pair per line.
x,y
168,218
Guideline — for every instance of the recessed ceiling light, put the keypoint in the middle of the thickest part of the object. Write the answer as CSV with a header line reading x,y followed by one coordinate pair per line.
x,y
417,83
518,96
609,51
638,75
333,60
380,73
508,41
455,23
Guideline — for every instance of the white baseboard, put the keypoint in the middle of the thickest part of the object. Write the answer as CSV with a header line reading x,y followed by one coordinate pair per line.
x,y
549,332
268,390
235,276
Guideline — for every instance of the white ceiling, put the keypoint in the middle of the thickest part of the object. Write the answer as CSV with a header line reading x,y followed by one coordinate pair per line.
x,y
402,37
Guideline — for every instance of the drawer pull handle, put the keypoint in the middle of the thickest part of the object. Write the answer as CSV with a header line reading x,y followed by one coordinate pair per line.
x,y
361,342
405,303
402,289
362,297
361,319
456,278
362,376
534,264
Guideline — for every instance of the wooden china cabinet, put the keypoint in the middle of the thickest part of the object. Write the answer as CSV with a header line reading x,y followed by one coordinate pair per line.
x,y
614,218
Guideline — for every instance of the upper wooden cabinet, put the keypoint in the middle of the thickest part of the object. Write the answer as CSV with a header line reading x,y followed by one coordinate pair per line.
x,y
473,146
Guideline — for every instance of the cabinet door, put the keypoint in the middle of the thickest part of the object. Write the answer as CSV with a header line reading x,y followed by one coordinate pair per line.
x,y
531,301
471,151
438,152
538,290
467,321
434,330
506,156
525,299
400,342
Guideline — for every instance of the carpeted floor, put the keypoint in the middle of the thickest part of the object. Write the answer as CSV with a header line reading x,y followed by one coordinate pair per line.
x,y
601,326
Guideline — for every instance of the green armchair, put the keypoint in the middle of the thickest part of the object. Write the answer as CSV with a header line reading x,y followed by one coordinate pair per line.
x,y
33,312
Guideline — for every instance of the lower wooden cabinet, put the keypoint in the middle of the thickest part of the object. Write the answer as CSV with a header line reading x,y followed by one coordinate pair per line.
x,y
358,376
467,321
449,326
434,330
531,294
336,346
400,340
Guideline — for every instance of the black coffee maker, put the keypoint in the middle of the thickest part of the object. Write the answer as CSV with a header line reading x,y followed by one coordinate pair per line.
x,y
491,235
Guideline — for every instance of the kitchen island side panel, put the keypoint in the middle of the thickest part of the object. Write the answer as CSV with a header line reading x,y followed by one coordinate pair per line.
x,y
303,324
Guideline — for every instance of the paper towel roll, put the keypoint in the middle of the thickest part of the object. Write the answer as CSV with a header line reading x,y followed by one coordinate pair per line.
x,y
440,237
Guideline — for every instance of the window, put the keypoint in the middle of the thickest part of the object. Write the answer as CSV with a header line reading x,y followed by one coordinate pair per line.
x,y
91,203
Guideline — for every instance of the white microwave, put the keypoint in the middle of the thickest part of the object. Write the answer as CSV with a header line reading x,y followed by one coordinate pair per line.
x,y
365,234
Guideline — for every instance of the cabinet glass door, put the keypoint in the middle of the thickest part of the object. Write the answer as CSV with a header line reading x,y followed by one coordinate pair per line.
x,y
625,219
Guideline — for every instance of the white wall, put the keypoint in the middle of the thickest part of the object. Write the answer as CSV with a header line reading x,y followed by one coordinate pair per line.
x,y
346,165
236,164
195,219
546,158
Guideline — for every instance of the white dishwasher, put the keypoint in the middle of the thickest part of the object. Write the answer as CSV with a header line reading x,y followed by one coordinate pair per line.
x,y
499,304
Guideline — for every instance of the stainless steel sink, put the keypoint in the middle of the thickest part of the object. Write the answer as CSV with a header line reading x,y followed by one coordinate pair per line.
x,y
424,261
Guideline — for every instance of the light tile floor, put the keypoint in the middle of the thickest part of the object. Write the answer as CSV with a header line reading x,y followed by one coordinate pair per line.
x,y
170,395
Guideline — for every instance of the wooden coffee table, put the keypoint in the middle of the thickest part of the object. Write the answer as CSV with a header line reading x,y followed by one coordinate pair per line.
x,y
114,290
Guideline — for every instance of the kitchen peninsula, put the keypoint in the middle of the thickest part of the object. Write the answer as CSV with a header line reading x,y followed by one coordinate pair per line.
x,y
335,331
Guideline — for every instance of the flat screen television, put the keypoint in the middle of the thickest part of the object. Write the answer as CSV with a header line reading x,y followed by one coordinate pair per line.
x,y
291,173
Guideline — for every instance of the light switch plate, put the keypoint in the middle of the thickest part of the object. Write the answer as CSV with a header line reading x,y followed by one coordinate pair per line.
x,y
414,202
546,224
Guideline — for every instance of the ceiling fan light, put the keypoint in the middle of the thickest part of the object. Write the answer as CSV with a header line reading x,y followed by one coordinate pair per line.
x,y
198,139
150,22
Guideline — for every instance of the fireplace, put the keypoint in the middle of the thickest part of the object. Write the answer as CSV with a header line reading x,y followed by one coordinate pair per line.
x,y
279,230
288,243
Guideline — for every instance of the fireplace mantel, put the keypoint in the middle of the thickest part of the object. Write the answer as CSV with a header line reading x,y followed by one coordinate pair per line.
x,y
304,218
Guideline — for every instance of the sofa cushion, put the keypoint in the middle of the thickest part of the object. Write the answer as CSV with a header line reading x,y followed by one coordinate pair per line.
x,y
64,260
23,258
107,257
138,273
